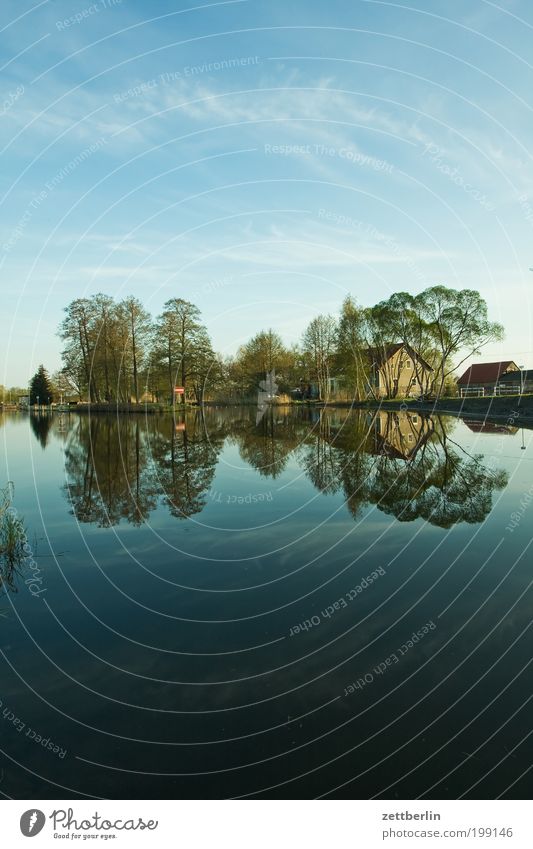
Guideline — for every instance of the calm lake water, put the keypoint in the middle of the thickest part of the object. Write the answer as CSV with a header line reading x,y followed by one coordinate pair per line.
x,y
225,605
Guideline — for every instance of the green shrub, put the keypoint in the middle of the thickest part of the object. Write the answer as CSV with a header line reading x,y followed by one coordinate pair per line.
x,y
12,531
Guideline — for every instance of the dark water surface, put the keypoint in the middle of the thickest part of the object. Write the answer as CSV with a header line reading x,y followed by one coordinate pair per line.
x,y
223,606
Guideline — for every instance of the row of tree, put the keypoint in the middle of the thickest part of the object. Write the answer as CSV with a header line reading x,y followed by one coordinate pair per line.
x,y
11,394
442,326
117,352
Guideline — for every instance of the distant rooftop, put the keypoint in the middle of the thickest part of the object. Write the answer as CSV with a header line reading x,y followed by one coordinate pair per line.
x,y
486,372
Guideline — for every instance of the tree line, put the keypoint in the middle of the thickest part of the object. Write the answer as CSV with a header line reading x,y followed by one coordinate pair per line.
x,y
443,326
115,351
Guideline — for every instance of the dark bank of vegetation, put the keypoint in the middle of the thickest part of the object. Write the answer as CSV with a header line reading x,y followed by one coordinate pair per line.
x,y
115,407
514,408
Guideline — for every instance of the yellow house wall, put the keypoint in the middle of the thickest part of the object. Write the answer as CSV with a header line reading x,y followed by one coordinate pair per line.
x,y
396,367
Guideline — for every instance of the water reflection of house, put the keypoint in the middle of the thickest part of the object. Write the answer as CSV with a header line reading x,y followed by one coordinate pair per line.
x,y
399,435
490,427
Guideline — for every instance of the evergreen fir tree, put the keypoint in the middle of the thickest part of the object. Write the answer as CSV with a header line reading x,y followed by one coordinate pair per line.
x,y
41,388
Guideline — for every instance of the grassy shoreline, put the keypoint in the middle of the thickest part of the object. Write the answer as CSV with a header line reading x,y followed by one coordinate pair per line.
x,y
514,409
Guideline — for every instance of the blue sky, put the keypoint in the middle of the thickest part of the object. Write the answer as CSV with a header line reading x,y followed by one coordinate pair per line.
x,y
262,160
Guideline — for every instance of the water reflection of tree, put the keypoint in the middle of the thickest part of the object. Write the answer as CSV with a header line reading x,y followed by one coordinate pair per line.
x,y
122,467
443,490
419,477
184,456
267,444
106,465
439,484
405,464
320,457
41,424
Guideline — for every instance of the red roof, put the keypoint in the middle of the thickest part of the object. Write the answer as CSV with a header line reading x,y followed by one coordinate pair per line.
x,y
485,372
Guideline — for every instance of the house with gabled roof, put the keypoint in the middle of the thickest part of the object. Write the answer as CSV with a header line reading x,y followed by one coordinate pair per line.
x,y
398,371
484,378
